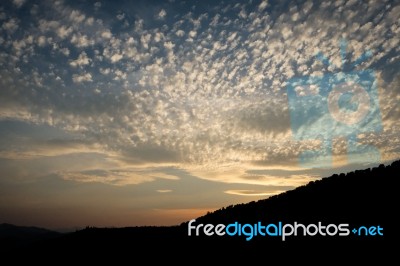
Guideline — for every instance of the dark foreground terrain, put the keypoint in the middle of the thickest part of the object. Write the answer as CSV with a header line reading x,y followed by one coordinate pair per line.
x,y
365,198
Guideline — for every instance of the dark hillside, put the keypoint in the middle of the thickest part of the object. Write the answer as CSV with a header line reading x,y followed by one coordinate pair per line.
x,y
366,198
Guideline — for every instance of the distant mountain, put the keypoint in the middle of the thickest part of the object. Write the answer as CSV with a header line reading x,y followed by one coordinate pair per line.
x,y
12,236
363,198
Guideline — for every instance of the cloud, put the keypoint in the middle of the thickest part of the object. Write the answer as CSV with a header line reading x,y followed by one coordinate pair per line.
x,y
65,51
180,33
48,25
247,193
116,57
81,41
18,3
262,5
41,41
106,34
249,174
63,32
192,33
118,177
11,25
76,16
121,16
87,77
82,60
161,14
164,190
145,39
205,89
52,148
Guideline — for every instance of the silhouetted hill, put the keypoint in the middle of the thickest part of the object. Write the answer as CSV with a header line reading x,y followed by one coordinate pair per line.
x,y
12,236
364,198
368,198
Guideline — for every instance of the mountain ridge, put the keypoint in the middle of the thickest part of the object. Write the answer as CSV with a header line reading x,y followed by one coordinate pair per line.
x,y
356,186
360,198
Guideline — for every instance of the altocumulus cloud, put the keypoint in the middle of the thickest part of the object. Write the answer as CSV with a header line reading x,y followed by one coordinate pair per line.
x,y
202,89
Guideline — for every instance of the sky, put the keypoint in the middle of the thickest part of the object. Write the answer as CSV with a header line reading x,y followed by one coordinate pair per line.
x,y
124,113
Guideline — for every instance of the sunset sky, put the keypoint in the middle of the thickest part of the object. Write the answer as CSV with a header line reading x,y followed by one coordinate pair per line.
x,y
122,113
